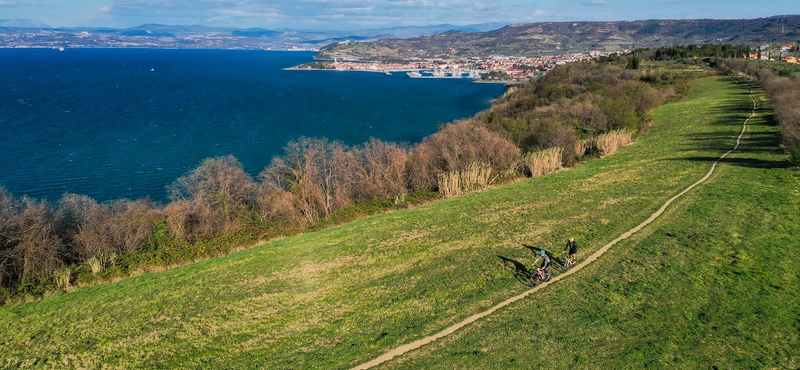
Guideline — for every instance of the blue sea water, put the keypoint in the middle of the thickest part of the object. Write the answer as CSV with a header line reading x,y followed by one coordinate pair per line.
x,y
126,123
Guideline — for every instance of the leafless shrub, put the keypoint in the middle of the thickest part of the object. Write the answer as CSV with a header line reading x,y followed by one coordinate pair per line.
x,y
220,195
131,225
84,224
454,148
543,162
278,205
91,228
9,210
312,171
783,92
35,246
179,218
376,170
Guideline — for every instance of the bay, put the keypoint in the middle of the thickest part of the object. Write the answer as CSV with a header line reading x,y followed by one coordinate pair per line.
x,y
126,123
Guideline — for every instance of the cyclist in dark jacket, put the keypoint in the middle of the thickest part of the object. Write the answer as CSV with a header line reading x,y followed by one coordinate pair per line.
x,y
572,247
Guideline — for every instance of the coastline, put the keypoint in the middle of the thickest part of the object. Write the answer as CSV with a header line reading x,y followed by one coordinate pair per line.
x,y
391,71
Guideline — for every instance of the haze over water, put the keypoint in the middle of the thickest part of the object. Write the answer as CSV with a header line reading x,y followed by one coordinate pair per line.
x,y
125,123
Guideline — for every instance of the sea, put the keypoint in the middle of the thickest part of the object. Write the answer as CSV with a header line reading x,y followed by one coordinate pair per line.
x,y
127,123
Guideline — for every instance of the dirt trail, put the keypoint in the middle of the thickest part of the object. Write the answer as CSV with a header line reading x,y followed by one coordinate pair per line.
x,y
469,320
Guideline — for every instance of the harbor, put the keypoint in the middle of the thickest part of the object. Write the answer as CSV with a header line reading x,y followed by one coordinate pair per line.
x,y
492,69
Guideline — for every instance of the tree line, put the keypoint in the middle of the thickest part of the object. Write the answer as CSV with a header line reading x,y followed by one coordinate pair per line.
x,y
570,113
781,82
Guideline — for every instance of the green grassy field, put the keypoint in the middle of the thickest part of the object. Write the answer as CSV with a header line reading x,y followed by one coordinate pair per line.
x,y
713,282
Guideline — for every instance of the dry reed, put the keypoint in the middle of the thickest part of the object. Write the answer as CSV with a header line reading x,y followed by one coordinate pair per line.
x,y
544,161
95,265
62,278
475,177
608,144
582,146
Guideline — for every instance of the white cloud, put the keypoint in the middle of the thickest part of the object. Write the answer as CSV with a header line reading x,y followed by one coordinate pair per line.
x,y
248,14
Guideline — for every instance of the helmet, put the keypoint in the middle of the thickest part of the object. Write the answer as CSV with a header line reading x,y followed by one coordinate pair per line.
x,y
572,239
542,251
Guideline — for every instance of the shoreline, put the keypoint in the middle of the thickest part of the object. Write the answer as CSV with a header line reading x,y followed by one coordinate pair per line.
x,y
391,71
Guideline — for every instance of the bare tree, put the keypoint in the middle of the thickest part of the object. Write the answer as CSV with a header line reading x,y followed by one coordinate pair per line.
x,y
9,209
219,193
179,218
84,223
131,225
36,247
377,170
454,148
312,171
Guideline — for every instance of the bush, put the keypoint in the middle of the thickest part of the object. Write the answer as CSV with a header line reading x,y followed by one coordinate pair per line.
x,y
454,148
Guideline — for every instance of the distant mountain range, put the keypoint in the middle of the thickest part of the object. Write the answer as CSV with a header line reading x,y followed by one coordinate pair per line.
x,y
549,38
33,33
407,43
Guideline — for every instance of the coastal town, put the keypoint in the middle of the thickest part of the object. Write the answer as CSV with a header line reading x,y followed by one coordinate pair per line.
x,y
501,68
496,68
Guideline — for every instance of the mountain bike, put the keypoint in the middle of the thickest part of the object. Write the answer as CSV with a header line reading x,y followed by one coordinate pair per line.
x,y
540,275
569,262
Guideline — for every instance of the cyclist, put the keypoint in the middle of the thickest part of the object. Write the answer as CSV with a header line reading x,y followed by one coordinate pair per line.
x,y
572,247
545,260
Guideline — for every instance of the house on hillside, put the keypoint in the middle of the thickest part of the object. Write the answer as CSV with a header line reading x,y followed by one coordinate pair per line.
x,y
792,60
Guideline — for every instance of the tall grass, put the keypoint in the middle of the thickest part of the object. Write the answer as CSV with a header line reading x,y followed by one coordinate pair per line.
x,y
609,144
583,146
475,177
95,265
62,278
543,162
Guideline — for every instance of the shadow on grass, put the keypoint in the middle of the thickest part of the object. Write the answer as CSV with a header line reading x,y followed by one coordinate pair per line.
x,y
521,273
742,162
751,140
755,145
555,262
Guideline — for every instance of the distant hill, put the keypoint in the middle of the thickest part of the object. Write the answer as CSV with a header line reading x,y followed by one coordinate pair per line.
x,y
535,39
23,23
32,33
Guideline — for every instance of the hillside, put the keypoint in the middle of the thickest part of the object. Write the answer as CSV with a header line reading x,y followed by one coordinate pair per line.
x,y
712,283
536,39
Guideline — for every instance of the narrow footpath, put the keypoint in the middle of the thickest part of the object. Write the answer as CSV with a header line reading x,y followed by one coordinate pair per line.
x,y
469,320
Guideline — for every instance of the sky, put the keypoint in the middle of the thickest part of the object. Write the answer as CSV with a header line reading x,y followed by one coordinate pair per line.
x,y
365,14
